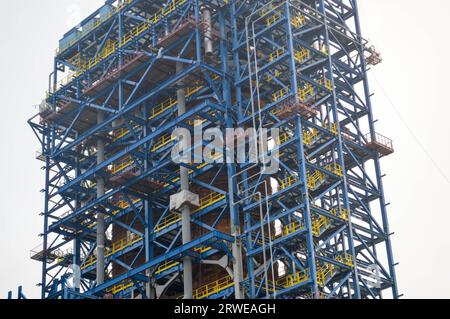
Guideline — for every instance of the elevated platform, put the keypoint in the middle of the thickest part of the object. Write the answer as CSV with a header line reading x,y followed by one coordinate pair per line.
x,y
380,144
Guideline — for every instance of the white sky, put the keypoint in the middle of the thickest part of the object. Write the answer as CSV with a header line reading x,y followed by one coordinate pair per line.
x,y
410,100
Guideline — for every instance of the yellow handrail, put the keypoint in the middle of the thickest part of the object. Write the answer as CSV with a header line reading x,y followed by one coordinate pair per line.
x,y
213,288
116,247
166,266
122,164
209,200
168,221
298,21
315,179
335,168
112,47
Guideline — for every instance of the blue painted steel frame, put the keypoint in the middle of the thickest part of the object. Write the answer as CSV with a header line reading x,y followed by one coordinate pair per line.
x,y
297,65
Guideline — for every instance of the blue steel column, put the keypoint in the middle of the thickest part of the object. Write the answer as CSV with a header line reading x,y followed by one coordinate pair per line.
x,y
344,187
307,209
378,172
240,116
231,168
46,149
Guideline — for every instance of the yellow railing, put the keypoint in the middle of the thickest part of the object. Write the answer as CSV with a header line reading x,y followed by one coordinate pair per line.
x,y
209,200
213,288
280,94
163,141
166,266
161,108
270,77
315,180
121,287
115,248
122,164
335,168
309,137
112,47
288,229
294,279
291,180
332,127
346,259
304,93
98,23
327,83
319,224
324,273
298,21
283,138
168,221
202,249
342,214
276,54
302,55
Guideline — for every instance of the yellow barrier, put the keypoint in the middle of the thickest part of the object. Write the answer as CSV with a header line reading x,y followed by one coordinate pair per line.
x,y
121,287
302,55
319,224
335,168
293,280
298,21
346,259
280,94
288,229
326,83
324,273
163,141
122,164
112,47
315,180
115,248
343,213
168,221
166,266
288,182
213,288
209,200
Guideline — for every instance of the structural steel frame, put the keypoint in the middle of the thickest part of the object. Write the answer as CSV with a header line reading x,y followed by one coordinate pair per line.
x,y
318,228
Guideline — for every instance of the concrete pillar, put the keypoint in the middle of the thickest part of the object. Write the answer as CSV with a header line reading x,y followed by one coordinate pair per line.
x,y
185,209
100,217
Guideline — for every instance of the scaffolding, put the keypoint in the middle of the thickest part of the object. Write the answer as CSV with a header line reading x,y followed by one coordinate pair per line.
x,y
133,72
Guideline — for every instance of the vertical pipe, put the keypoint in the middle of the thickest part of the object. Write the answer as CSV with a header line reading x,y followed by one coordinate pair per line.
x,y
208,32
384,216
238,92
100,216
148,213
185,209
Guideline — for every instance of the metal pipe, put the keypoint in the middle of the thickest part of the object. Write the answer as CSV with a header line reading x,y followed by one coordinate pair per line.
x,y
208,31
185,209
100,216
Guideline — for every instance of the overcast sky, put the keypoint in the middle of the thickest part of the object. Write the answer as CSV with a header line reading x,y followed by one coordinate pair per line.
x,y
410,102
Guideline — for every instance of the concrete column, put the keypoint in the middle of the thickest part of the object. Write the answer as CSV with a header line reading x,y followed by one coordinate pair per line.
x,y
100,216
185,209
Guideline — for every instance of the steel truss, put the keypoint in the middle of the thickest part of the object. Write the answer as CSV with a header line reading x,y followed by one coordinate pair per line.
x,y
318,228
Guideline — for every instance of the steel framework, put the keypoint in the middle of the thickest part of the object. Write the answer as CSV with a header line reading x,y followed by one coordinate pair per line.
x,y
133,72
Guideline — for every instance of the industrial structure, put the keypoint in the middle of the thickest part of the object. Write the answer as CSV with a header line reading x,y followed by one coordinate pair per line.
x,y
123,220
